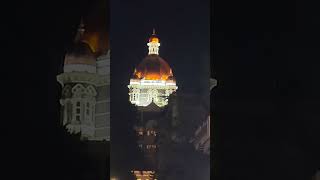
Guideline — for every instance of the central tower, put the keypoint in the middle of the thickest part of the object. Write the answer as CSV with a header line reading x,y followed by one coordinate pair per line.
x,y
152,80
150,86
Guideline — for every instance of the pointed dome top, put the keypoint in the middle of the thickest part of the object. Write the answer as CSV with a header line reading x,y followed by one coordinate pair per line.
x,y
154,37
80,52
80,32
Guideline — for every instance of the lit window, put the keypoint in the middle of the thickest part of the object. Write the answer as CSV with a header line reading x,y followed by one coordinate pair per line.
x,y
148,133
140,133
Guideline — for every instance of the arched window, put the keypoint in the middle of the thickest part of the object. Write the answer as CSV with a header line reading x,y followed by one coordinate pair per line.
x,y
88,109
69,112
78,111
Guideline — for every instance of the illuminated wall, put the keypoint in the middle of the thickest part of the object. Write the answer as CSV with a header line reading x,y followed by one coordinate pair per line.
x,y
85,99
143,92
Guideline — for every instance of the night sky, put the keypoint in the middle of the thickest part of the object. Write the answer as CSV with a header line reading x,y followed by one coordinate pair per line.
x,y
265,117
48,151
184,31
265,56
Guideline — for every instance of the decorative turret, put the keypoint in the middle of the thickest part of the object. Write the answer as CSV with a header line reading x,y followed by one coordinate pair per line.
x,y
154,43
85,90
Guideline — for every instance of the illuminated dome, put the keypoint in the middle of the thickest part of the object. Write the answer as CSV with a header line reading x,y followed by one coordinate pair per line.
x,y
153,67
80,57
80,53
152,80
154,39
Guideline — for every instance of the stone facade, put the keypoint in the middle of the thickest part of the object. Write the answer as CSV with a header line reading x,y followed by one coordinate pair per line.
x,y
85,99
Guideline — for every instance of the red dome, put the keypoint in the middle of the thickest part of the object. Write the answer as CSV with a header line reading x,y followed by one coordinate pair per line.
x,y
153,67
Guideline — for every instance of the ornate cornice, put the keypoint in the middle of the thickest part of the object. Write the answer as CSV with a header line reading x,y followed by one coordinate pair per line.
x,y
80,77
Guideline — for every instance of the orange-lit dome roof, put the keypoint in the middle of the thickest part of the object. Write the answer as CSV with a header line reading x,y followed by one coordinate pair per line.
x,y
80,53
154,38
153,67
98,42
88,45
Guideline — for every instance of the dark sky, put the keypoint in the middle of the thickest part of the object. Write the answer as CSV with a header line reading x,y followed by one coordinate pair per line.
x,y
184,31
47,151
265,58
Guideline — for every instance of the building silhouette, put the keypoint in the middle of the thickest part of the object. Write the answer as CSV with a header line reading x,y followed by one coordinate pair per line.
x,y
150,85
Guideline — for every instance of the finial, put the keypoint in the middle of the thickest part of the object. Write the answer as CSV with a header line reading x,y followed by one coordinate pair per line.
x,y
81,23
153,32
80,31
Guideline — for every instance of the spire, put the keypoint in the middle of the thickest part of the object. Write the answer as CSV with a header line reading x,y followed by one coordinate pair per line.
x,y
80,31
154,32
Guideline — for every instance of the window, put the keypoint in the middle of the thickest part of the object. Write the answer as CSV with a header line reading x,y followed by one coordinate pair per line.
x,y
78,118
148,133
69,112
151,146
140,133
78,111
87,111
78,104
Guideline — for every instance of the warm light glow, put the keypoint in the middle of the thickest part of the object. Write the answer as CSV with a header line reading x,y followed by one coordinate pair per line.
x,y
143,92
155,76
153,44
154,40
153,79
144,175
138,74
93,40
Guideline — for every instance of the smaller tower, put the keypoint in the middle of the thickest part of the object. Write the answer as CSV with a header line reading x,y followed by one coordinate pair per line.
x,y
80,32
154,43
85,99
150,86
